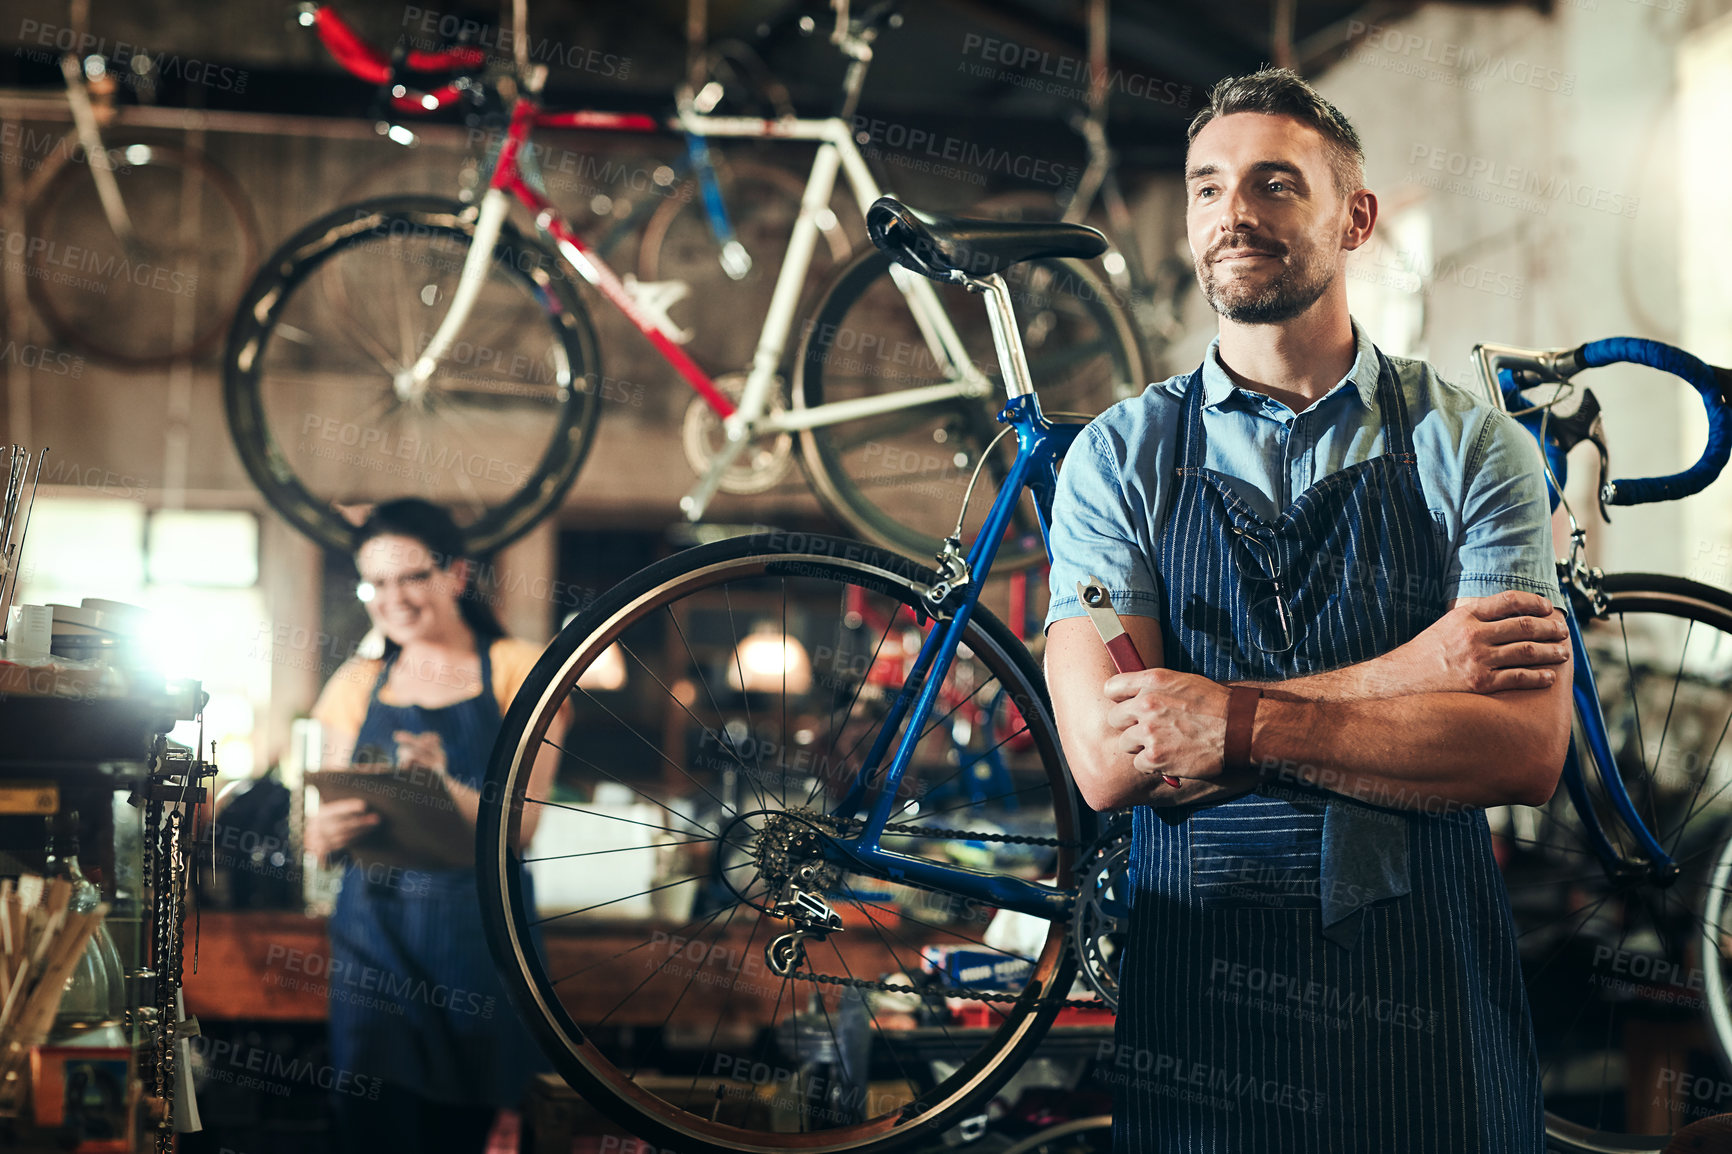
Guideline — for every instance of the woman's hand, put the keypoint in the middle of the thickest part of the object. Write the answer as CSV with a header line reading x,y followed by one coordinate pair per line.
x,y
425,751
420,751
336,824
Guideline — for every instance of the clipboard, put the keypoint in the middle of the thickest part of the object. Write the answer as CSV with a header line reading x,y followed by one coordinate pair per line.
x,y
419,824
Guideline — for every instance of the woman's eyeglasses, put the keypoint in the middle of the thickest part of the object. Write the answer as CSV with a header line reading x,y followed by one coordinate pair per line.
x,y
1271,616
370,590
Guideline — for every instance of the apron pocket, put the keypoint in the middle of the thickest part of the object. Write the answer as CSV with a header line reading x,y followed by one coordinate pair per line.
x,y
1257,853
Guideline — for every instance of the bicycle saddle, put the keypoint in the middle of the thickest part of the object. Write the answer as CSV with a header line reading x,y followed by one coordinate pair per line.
x,y
950,248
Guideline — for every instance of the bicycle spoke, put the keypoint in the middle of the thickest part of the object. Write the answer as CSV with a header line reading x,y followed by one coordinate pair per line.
x,y
676,766
620,849
694,663
1672,701
1707,768
591,812
651,976
836,731
585,761
1636,719
719,739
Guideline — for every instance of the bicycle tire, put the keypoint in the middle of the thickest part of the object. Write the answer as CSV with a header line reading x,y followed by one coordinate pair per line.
x,y
303,305
130,311
1099,1126
898,479
678,624
1716,947
1613,980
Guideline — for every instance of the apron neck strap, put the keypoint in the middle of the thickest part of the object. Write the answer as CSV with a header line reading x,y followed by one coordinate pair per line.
x,y
1397,429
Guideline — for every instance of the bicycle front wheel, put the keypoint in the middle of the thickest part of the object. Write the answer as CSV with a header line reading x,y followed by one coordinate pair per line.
x,y
326,415
1613,961
899,478
156,285
740,701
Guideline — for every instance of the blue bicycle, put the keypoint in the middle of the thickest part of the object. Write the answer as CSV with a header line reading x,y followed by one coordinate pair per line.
x,y
883,955
1618,885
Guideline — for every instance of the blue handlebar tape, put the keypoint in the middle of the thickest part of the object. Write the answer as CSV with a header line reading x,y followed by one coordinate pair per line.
x,y
1634,350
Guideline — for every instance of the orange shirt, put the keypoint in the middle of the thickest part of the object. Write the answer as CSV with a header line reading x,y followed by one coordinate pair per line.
x,y
342,704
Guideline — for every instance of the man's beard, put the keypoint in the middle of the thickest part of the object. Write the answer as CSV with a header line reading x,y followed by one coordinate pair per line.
x,y
1298,286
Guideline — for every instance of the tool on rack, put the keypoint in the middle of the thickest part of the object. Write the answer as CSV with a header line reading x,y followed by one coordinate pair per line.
x,y
17,465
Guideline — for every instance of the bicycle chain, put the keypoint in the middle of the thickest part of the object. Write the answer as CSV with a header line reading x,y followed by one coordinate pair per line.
x,y
974,835
164,874
967,995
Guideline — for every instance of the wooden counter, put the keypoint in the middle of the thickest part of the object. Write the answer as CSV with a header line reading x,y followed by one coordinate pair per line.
x,y
273,966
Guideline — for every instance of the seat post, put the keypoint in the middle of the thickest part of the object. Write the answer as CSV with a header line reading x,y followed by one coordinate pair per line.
x,y
1005,337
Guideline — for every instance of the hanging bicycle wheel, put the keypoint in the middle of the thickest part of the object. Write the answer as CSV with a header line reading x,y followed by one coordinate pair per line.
x,y
326,415
899,478
763,202
726,743
164,290
1613,964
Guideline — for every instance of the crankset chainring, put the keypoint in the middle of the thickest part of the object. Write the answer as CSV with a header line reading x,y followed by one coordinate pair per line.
x,y
761,465
1102,905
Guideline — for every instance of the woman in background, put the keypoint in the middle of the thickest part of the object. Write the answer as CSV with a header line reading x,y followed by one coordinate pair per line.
x,y
418,1015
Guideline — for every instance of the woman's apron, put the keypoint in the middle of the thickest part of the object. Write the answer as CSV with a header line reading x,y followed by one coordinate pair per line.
x,y
1305,973
414,996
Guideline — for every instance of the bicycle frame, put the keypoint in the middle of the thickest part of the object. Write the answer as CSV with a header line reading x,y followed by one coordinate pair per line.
x,y
1040,445
752,417
1590,718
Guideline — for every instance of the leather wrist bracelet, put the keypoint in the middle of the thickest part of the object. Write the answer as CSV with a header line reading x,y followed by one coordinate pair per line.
x,y
1241,718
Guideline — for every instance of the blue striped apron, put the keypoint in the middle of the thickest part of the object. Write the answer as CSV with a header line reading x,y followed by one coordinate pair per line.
x,y
414,996
1244,1025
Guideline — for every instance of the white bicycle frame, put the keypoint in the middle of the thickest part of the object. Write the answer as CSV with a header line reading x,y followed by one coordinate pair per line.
x,y
753,418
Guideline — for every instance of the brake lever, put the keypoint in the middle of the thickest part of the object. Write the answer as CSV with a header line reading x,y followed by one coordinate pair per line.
x,y
1585,424
1597,435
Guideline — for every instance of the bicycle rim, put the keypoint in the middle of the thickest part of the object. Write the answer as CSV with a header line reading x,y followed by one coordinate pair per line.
x,y
1614,966
167,295
899,478
343,308
669,1018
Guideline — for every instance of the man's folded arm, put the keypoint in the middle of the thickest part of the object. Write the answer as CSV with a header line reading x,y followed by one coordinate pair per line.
x,y
1386,730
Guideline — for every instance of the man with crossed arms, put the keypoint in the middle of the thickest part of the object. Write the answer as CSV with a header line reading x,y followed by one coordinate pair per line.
x,y
1339,570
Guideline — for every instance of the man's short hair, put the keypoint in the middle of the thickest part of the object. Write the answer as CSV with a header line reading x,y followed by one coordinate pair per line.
x,y
1283,92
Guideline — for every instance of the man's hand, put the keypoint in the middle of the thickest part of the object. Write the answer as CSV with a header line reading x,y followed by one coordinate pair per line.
x,y
1174,724
1487,645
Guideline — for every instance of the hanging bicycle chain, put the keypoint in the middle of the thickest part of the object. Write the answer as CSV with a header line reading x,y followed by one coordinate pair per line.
x,y
168,919
172,787
794,953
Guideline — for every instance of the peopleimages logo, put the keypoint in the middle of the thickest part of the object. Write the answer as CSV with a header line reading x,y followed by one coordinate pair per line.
x,y
1462,60
967,155
1480,173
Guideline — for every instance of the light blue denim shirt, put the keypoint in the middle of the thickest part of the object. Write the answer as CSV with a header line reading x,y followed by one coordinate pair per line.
x,y
1480,472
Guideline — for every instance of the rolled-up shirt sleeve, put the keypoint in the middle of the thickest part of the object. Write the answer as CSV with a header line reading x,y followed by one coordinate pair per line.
x,y
1506,535
1094,533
